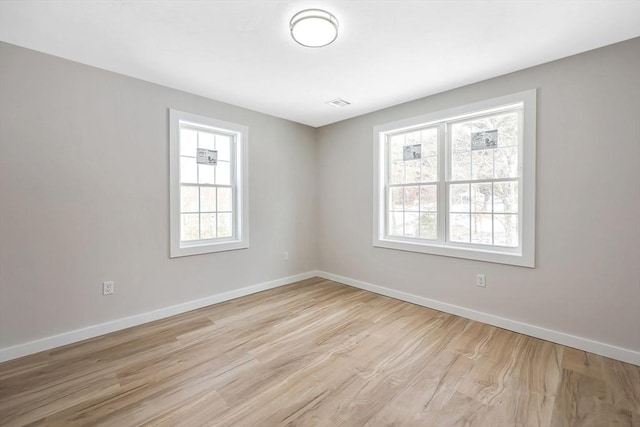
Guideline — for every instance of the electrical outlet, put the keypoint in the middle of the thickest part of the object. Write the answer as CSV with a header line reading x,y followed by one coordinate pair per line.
x,y
286,256
107,288
481,281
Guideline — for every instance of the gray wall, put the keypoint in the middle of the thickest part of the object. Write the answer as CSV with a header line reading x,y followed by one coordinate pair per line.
x,y
84,198
587,276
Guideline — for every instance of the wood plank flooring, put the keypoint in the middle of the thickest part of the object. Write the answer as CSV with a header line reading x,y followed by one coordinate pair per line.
x,y
317,353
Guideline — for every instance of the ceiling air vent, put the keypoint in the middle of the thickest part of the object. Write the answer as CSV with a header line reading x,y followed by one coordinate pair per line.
x,y
339,103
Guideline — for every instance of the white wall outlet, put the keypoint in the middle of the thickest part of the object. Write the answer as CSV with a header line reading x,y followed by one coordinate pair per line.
x,y
107,288
286,256
481,281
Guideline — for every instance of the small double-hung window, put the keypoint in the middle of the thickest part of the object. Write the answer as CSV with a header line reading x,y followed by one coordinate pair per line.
x,y
208,185
459,182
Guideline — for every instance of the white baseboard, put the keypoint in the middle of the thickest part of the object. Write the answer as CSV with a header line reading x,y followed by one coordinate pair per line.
x,y
607,350
569,340
65,338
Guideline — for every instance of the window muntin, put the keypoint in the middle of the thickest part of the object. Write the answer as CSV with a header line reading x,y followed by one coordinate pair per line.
x,y
463,199
208,201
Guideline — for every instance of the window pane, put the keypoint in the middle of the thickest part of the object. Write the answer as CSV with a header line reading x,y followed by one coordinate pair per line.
x,y
505,230
430,142
482,166
223,173
429,198
206,174
481,229
206,140
189,227
507,162
411,224
461,166
428,225
413,138
505,197
225,225
225,201
429,169
188,199
188,170
208,226
507,126
188,141
223,145
412,171
396,174
459,198
461,137
207,199
396,223
459,227
396,199
396,143
412,198
481,197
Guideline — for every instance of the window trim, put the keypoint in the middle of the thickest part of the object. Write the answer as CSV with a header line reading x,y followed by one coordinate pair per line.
x,y
523,256
240,182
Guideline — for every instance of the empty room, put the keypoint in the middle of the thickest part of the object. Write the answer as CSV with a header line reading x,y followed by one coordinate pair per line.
x,y
320,213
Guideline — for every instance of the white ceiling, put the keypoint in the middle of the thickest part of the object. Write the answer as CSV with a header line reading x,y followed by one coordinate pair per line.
x,y
387,52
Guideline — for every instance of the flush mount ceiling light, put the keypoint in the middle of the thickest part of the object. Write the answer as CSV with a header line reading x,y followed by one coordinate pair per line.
x,y
314,28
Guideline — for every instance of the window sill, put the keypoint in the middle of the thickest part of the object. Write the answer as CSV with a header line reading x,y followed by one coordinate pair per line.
x,y
509,258
206,248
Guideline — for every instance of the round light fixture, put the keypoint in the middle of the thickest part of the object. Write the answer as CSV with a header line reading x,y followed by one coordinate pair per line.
x,y
314,28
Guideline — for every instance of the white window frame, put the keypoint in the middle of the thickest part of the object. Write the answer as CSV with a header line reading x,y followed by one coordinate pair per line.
x,y
524,255
239,184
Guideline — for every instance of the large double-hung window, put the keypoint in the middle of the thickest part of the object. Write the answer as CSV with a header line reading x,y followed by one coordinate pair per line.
x,y
459,182
208,188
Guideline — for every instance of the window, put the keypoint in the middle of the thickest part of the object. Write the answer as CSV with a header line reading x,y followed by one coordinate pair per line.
x,y
208,185
459,182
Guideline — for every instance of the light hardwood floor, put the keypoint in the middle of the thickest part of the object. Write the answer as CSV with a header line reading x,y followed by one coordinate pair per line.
x,y
318,353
